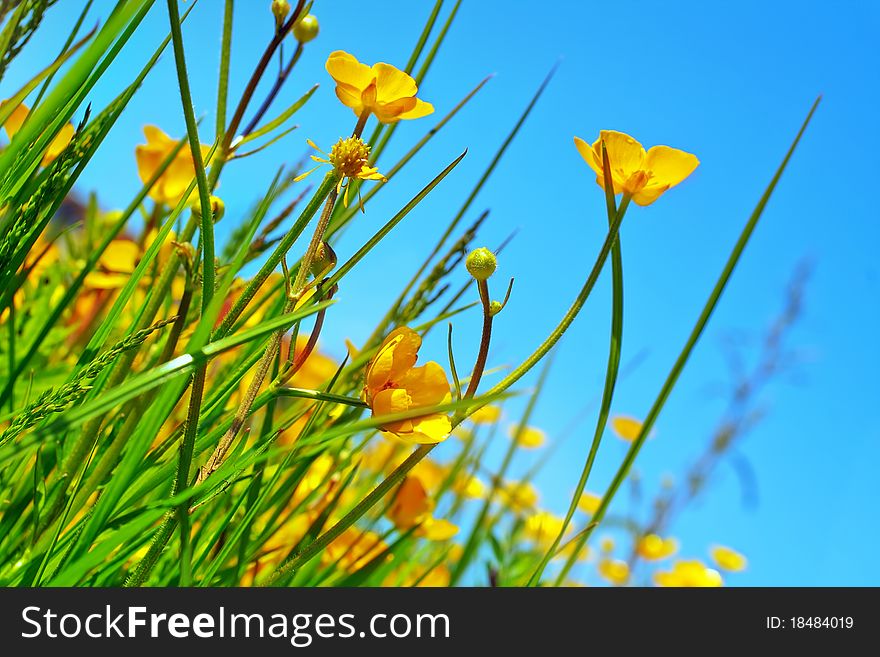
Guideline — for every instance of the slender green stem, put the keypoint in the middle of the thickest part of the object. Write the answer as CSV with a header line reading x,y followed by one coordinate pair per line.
x,y
485,339
181,480
610,378
223,78
207,226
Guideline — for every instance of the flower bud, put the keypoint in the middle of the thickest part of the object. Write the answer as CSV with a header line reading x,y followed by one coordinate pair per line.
x,y
306,28
218,208
280,9
324,260
495,308
481,263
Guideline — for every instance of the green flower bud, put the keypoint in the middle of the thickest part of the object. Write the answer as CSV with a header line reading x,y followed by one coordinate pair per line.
x,y
481,263
280,9
306,29
495,308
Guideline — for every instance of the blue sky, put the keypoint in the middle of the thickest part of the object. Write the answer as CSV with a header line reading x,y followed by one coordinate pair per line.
x,y
729,83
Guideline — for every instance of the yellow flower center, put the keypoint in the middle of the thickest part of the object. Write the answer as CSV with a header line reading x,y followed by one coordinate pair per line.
x,y
348,156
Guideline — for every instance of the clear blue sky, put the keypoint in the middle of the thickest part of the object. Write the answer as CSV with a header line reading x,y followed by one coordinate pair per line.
x,y
730,83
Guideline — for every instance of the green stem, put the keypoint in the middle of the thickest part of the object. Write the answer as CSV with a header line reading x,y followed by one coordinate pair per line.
x,y
607,394
485,339
192,130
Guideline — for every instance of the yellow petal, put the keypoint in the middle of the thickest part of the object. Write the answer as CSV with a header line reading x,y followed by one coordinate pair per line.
x,y
586,151
427,385
625,154
438,529
614,570
430,429
350,97
395,356
728,559
16,119
420,109
626,427
347,70
528,437
391,112
653,547
485,415
589,503
392,84
669,166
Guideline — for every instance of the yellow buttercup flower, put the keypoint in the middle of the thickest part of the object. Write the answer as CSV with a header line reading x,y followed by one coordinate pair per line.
x,y
56,146
727,559
688,574
528,437
589,502
614,571
625,427
393,385
172,184
644,175
381,89
350,157
654,548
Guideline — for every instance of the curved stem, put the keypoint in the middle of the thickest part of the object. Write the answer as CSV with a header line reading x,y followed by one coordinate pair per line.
x,y
485,339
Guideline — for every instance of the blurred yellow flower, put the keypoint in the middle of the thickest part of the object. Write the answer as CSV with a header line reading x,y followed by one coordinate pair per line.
x,y
428,471
382,90
469,486
542,528
688,574
56,146
115,266
172,184
614,571
354,549
625,427
633,171
393,385
413,506
589,502
316,371
728,559
518,496
528,437
653,547
485,415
